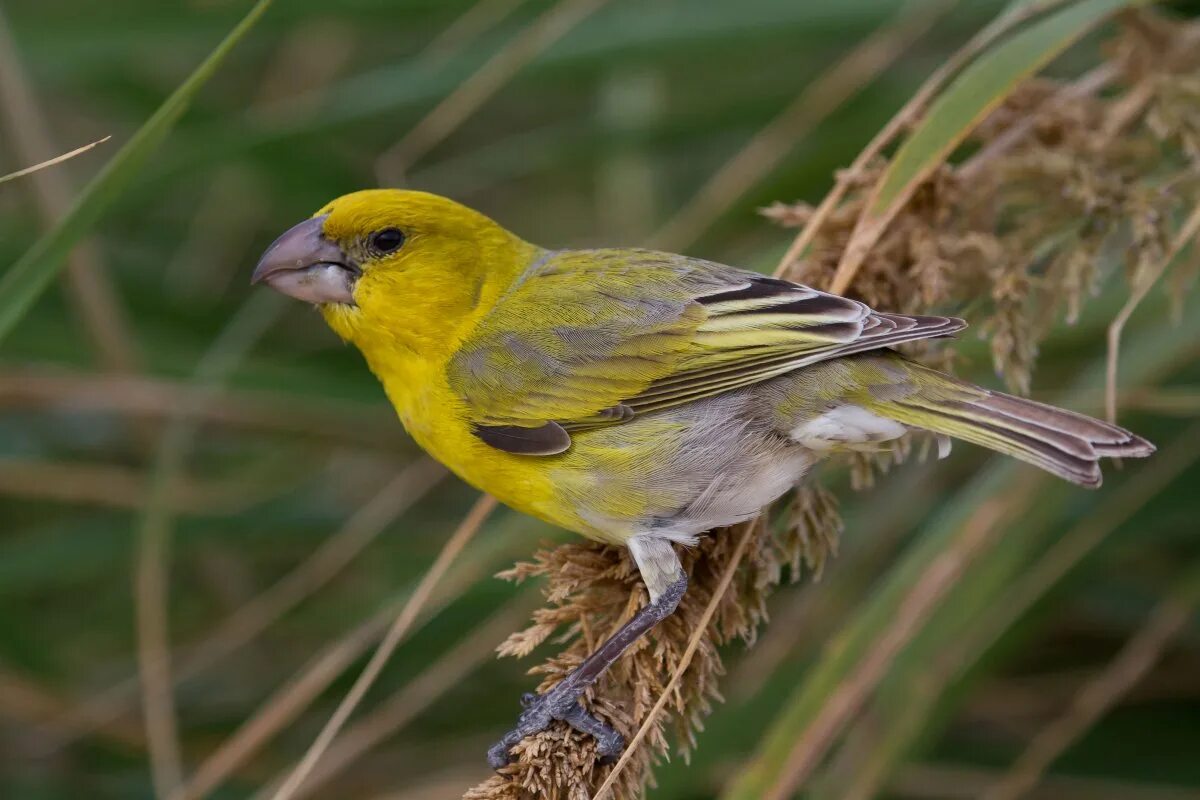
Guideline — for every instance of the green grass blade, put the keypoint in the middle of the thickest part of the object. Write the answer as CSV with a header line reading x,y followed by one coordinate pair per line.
x,y
34,271
979,90
913,703
844,651
974,94
872,621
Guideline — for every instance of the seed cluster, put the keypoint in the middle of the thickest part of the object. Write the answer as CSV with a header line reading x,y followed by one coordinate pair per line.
x,y
1066,186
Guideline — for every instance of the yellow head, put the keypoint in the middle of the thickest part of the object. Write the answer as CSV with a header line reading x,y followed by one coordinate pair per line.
x,y
399,269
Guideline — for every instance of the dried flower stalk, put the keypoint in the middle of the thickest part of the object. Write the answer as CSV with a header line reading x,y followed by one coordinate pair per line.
x,y
1025,226
1061,178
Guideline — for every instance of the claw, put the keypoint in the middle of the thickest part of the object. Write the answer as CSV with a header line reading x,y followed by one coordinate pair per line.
x,y
610,753
561,704
609,743
498,756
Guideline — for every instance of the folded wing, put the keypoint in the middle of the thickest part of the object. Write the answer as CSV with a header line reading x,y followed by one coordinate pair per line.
x,y
592,338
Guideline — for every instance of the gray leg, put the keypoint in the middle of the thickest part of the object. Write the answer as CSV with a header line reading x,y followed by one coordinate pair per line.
x,y
562,701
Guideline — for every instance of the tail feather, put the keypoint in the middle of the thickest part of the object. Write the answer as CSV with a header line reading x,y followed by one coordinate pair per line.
x,y
1062,442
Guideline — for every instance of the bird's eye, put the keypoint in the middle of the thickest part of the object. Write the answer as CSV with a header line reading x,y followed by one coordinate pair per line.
x,y
387,240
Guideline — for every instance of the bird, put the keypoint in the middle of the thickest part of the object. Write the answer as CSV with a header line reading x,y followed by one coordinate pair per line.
x,y
636,397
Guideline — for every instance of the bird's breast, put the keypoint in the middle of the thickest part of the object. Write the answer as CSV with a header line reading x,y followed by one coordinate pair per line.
x,y
439,422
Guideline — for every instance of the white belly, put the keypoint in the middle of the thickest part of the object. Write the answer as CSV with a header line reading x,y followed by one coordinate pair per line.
x,y
739,495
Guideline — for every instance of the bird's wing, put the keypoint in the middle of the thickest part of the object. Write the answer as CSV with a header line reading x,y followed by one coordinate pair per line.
x,y
595,337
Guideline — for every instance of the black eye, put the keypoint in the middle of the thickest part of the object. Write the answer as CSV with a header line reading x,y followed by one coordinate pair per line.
x,y
387,240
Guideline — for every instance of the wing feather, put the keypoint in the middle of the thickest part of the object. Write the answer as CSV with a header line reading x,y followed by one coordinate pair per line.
x,y
597,337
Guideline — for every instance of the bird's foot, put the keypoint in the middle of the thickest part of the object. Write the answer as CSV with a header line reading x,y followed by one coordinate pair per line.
x,y
561,703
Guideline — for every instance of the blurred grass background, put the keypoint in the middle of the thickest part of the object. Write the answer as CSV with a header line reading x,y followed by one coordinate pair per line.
x,y
598,137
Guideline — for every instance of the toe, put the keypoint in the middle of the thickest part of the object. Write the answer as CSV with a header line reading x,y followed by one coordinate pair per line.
x,y
609,746
498,756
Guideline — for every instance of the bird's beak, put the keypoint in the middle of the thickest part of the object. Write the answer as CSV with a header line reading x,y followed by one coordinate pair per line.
x,y
305,265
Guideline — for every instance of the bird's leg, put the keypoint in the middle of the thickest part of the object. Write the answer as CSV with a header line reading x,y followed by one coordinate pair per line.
x,y
667,583
562,701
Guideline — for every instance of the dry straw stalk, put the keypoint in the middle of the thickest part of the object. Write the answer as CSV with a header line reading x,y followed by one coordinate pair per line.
x,y
1062,180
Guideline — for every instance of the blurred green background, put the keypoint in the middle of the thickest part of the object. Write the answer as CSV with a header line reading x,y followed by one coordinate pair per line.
x,y
598,138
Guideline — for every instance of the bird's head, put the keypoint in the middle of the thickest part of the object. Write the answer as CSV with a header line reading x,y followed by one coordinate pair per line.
x,y
413,267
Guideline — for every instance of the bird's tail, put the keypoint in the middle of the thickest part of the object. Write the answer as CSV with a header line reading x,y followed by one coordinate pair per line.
x,y
1067,444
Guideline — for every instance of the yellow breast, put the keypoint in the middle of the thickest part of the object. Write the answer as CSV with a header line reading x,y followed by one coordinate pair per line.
x,y
435,418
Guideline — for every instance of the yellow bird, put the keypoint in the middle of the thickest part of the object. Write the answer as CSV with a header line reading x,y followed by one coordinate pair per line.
x,y
635,397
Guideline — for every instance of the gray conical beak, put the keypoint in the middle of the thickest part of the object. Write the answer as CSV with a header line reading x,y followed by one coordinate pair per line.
x,y
305,265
